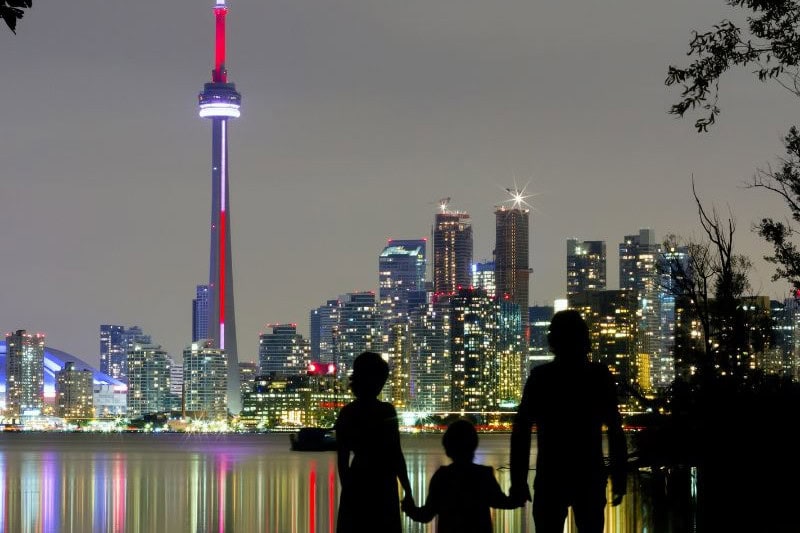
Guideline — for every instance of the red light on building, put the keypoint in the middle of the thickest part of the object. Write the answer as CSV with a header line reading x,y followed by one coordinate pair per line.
x,y
331,368
312,368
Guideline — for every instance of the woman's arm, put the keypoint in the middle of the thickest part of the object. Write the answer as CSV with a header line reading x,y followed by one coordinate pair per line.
x,y
400,460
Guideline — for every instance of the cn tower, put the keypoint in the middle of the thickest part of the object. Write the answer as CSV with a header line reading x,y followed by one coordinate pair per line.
x,y
220,102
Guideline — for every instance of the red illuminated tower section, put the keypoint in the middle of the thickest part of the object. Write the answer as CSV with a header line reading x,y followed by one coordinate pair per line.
x,y
220,102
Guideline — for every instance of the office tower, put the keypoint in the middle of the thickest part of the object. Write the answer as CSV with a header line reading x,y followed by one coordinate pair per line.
x,y
401,277
452,250
358,329
473,351
512,273
611,317
397,348
24,372
115,341
220,102
671,305
511,355
205,381
248,371
431,367
175,385
281,350
200,314
149,372
74,392
112,352
324,323
586,266
483,277
539,317
639,257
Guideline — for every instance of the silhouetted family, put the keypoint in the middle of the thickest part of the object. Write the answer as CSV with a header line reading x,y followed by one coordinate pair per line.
x,y
570,401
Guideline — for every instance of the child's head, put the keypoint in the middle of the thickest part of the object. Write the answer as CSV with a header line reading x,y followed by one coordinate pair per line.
x,y
369,375
460,440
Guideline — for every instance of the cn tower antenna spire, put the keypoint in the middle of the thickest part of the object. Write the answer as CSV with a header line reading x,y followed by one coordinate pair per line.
x,y
220,101
219,74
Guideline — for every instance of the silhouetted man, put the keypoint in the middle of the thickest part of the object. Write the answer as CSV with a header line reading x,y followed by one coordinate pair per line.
x,y
569,400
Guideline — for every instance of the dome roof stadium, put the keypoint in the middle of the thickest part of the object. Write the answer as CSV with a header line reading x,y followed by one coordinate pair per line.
x,y
54,360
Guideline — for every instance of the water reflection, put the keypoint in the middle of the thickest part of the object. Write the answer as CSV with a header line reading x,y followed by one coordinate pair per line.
x,y
235,483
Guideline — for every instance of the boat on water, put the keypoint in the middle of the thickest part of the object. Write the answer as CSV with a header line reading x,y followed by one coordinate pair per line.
x,y
313,440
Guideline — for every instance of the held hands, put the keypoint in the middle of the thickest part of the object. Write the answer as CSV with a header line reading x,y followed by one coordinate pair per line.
x,y
520,494
409,507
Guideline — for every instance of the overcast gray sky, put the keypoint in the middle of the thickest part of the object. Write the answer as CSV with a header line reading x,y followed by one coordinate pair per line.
x,y
358,115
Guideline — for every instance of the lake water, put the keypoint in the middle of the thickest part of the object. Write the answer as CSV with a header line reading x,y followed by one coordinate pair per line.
x,y
174,483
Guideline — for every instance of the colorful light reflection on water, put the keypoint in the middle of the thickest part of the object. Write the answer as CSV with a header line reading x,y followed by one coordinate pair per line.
x,y
173,483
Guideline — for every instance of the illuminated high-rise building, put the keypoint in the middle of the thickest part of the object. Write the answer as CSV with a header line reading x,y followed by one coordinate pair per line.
x,y
112,350
430,364
511,355
324,326
452,250
200,314
24,372
358,329
280,351
219,101
149,380
512,270
115,341
483,276
473,351
205,381
401,277
586,266
74,392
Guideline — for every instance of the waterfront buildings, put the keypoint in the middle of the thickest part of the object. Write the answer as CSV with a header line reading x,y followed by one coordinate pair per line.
x,y
115,341
149,369
74,393
586,266
280,351
483,276
200,312
452,250
511,255
24,372
401,277
220,101
324,334
205,381
473,351
430,380
358,329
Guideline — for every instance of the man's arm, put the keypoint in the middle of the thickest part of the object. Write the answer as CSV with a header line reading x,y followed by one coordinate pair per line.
x,y
617,445
521,446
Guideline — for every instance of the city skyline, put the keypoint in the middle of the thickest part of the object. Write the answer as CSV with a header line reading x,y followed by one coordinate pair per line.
x,y
358,120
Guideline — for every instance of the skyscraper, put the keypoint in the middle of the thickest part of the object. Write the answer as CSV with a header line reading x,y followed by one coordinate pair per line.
x,y
324,326
452,250
586,266
483,276
149,369
401,277
112,350
280,351
74,392
24,372
358,329
219,102
473,351
200,314
205,381
512,271
431,368
639,256
115,341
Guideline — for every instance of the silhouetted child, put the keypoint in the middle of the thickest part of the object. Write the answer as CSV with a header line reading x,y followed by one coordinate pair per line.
x,y
462,493
368,428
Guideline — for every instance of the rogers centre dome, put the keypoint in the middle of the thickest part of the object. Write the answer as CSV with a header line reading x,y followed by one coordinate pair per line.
x,y
54,360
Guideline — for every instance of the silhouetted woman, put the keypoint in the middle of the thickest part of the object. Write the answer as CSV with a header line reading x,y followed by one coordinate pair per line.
x,y
368,428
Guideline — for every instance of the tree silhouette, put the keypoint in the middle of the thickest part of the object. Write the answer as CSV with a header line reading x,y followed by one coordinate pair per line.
x,y
13,10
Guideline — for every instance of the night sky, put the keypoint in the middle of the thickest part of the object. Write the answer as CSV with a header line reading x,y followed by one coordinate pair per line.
x,y
357,117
